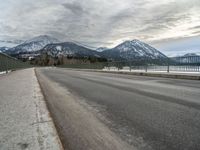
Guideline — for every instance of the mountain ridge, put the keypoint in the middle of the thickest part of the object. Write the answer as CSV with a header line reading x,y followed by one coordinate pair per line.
x,y
133,49
68,49
33,44
128,50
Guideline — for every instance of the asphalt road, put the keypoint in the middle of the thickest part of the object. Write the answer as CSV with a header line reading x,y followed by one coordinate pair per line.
x,y
141,112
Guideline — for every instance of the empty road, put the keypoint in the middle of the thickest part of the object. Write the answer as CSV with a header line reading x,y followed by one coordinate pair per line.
x,y
102,111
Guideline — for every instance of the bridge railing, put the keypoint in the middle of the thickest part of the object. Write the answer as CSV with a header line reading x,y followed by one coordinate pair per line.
x,y
161,65
9,63
145,64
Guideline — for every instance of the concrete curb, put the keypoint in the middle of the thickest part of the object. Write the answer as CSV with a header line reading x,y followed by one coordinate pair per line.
x,y
162,75
175,76
54,125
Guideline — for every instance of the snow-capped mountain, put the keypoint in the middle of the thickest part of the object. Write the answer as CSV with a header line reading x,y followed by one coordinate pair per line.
x,y
190,54
68,49
33,44
134,49
192,58
3,49
101,49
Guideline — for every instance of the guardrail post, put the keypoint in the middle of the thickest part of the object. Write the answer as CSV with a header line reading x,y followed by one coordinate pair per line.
x,y
146,64
118,66
130,66
168,65
168,68
6,61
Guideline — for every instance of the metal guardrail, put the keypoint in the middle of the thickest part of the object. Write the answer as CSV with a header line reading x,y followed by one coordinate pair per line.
x,y
155,68
181,64
163,65
9,63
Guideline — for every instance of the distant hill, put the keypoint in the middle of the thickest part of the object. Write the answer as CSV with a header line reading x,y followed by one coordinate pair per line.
x,y
190,54
189,58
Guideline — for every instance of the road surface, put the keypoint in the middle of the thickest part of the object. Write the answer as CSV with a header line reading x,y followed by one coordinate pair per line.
x,y
112,111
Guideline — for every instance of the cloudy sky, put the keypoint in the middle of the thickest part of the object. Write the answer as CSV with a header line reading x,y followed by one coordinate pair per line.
x,y
172,26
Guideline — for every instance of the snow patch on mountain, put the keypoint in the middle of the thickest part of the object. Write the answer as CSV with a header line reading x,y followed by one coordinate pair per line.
x,y
3,49
101,49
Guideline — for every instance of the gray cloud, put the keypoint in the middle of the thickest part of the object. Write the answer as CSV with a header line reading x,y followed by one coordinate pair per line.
x,y
100,22
195,27
75,8
196,33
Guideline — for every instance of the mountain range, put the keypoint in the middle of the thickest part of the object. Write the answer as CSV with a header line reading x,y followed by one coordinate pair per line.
x,y
127,50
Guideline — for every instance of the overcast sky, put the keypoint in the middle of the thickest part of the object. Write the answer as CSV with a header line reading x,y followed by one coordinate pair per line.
x,y
162,23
